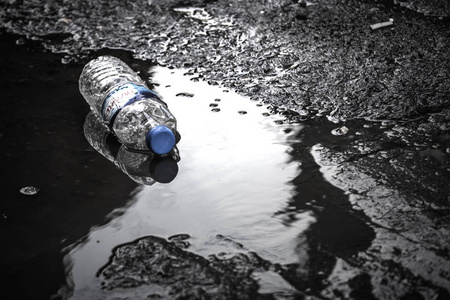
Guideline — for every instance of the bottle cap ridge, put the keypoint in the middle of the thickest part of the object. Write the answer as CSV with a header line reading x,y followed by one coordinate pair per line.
x,y
160,140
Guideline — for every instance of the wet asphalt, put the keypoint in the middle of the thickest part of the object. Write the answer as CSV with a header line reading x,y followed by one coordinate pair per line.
x,y
321,64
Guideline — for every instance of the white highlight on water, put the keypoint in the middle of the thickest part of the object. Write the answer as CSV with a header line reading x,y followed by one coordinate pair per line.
x,y
234,178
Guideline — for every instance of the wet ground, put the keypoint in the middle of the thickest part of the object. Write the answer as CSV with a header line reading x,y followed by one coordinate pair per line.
x,y
313,161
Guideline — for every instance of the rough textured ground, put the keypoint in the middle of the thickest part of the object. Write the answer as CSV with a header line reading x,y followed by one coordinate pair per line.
x,y
323,55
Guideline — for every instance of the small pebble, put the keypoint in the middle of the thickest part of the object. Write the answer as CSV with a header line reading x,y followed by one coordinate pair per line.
x,y
340,131
29,190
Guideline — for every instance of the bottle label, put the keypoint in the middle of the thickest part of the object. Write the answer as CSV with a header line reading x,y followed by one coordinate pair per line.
x,y
123,96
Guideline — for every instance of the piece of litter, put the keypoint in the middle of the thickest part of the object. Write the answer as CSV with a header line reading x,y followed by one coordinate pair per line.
x,y
29,190
383,24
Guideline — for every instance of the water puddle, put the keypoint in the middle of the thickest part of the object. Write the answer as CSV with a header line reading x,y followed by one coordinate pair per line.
x,y
235,177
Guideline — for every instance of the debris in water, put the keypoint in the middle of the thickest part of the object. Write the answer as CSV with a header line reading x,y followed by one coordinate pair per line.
x,y
188,95
179,237
383,24
340,131
29,190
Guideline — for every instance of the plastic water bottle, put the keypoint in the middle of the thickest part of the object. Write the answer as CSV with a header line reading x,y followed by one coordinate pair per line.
x,y
142,167
136,115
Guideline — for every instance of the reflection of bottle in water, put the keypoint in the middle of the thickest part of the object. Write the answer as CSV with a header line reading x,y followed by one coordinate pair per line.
x,y
136,115
142,167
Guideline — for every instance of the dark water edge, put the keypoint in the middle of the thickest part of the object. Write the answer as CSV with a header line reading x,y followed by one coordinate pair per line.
x,y
43,145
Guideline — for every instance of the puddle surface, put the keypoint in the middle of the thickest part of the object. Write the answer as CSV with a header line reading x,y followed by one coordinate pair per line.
x,y
234,181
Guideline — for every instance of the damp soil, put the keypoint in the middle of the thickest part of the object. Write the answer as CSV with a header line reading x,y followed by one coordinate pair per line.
x,y
331,183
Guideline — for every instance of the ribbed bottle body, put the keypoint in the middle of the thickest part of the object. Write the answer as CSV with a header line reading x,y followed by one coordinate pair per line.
x,y
102,76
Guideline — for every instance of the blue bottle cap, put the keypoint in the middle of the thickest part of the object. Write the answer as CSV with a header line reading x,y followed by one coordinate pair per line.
x,y
160,140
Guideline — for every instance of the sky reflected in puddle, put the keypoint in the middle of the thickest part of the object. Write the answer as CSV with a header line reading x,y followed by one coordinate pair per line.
x,y
235,177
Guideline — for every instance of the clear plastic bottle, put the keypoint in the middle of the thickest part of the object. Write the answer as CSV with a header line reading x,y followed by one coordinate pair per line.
x,y
136,115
